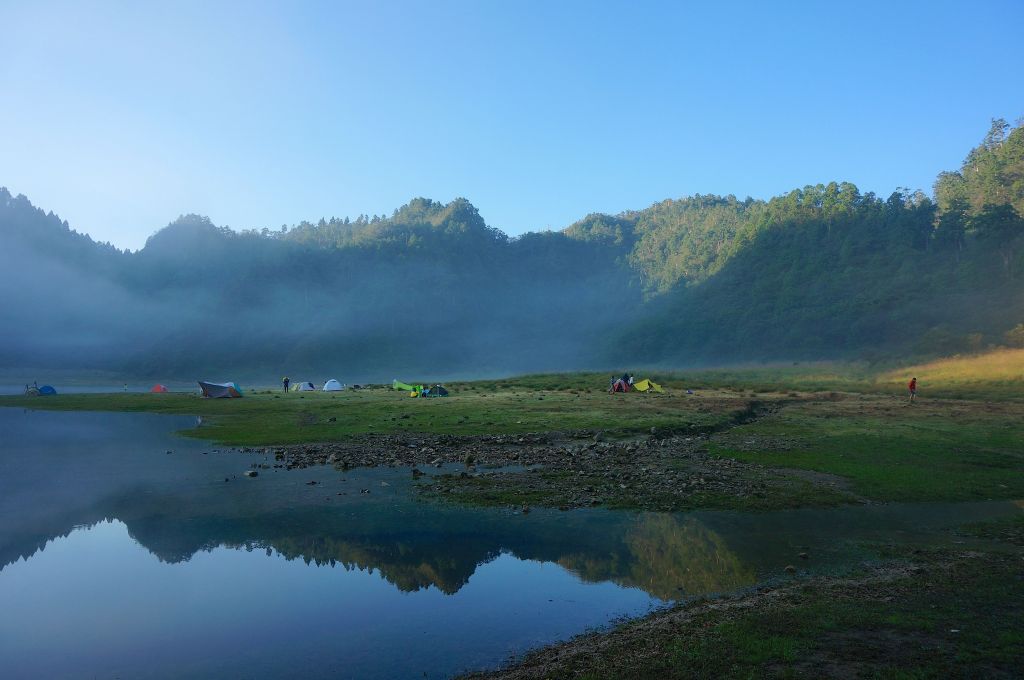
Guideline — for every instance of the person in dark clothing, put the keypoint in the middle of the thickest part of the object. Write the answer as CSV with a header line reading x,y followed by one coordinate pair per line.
x,y
285,381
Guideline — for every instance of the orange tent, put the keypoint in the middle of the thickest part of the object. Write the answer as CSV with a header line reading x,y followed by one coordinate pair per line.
x,y
158,388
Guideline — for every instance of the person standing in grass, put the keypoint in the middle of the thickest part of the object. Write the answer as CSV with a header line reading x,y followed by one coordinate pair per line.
x,y
912,386
285,381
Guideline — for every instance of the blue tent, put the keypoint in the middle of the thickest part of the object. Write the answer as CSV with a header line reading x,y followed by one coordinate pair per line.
x,y
46,390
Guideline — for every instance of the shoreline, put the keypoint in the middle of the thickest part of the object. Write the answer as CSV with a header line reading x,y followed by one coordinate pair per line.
x,y
934,613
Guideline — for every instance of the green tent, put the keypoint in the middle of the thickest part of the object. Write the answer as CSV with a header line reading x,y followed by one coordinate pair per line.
x,y
402,386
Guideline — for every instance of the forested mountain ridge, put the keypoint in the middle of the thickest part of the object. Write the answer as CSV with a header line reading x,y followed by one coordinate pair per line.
x,y
823,271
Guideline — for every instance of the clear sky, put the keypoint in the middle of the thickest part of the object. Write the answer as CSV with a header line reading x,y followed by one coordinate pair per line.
x,y
119,117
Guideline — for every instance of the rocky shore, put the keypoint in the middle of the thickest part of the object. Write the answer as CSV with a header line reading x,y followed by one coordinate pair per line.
x,y
655,471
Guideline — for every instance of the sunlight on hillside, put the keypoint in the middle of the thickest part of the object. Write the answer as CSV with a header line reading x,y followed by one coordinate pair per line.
x,y
1002,365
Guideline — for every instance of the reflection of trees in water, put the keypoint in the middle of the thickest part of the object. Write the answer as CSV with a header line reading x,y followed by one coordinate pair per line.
x,y
668,556
408,565
665,555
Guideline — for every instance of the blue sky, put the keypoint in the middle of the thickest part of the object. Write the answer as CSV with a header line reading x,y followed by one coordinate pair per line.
x,y
120,117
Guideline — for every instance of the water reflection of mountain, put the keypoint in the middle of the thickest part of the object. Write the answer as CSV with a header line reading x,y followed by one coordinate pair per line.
x,y
73,469
667,556
64,470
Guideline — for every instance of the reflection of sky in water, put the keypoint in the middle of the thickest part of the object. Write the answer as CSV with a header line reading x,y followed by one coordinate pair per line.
x,y
273,576
111,607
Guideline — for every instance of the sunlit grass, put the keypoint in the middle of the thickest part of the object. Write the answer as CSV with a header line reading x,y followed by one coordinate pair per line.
x,y
1004,367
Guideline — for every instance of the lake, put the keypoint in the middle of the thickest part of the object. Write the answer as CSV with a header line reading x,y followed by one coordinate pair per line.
x,y
126,551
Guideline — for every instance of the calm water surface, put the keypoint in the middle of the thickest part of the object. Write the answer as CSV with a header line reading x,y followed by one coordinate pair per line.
x,y
126,551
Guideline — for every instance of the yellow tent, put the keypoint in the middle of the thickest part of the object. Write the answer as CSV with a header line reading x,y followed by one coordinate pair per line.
x,y
647,385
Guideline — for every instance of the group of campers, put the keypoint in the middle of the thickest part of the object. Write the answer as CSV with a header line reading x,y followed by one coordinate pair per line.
x,y
627,383
437,390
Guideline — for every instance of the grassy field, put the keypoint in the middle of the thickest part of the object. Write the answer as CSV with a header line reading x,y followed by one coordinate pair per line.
x,y
265,417
888,450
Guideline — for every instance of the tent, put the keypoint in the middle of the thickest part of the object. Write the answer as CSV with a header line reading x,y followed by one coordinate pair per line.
x,y
158,388
647,385
303,387
333,385
228,390
435,391
620,385
46,390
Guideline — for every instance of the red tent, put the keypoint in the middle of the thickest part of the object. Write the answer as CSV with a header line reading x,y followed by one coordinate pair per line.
x,y
158,388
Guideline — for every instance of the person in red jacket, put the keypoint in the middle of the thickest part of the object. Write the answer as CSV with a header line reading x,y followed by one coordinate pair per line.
x,y
912,386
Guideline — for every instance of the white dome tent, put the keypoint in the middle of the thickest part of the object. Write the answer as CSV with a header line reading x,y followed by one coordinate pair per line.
x,y
333,385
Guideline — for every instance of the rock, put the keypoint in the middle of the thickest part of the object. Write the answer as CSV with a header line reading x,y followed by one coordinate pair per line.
x,y
790,569
251,473
803,556
311,483
364,491
526,509
416,472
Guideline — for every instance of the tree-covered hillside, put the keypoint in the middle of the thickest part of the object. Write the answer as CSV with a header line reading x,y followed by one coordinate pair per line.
x,y
824,271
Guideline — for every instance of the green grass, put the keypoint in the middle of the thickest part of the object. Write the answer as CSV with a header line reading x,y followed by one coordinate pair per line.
x,y
888,451
267,418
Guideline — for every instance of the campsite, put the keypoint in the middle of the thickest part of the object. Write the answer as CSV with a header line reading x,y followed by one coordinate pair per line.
x,y
512,341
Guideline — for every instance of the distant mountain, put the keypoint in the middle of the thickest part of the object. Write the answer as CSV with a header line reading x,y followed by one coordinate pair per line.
x,y
432,290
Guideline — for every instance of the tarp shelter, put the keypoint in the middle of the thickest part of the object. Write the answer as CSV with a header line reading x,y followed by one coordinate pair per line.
x,y
395,385
158,388
304,387
435,391
228,390
647,385
47,390
333,385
